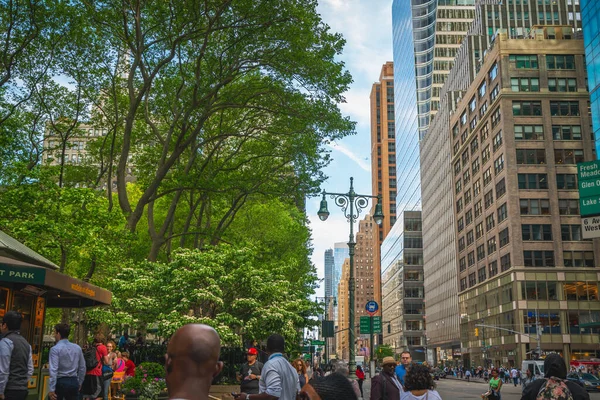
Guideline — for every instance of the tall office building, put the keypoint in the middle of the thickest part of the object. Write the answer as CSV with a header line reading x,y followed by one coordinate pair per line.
x,y
340,253
517,135
515,17
430,34
329,273
342,337
590,18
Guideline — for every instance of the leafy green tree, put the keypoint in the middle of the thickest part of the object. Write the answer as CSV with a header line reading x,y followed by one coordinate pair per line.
x,y
384,350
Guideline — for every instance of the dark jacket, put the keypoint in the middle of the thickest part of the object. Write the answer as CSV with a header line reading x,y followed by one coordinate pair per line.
x,y
554,366
384,388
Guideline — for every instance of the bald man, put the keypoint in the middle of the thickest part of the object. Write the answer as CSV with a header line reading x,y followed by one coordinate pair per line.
x,y
192,361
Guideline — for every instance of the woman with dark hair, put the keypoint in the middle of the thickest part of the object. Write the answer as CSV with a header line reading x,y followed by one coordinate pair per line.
x,y
331,387
418,383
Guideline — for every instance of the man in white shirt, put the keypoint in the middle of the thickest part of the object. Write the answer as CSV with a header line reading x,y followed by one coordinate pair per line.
x,y
514,374
278,380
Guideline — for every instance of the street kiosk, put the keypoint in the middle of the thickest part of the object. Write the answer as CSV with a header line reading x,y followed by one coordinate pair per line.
x,y
30,283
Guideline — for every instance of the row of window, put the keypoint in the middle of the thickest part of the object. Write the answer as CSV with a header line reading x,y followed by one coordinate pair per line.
x,y
492,268
536,132
557,108
540,181
543,290
538,156
553,61
542,206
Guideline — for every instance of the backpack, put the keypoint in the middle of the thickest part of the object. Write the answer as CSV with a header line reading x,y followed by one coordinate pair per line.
x,y
90,358
555,389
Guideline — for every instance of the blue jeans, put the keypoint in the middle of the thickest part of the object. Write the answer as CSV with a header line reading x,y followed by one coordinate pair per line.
x,y
106,387
67,388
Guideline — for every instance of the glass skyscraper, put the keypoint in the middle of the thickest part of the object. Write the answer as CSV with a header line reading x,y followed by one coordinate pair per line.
x,y
329,273
590,18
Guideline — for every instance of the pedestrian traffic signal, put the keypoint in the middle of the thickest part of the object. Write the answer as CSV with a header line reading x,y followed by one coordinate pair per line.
x,y
476,331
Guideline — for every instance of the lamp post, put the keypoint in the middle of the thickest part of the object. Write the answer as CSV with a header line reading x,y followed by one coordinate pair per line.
x,y
352,205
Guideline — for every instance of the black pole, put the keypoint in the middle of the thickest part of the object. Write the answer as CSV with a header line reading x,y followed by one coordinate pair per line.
x,y
371,340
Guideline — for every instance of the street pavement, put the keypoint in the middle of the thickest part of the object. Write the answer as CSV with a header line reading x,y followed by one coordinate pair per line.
x,y
459,389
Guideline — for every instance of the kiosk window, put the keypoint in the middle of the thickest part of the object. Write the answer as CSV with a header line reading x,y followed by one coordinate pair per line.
x,y
24,303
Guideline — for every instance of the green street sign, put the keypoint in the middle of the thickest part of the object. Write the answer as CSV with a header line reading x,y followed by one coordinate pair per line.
x,y
317,343
590,205
589,188
9,273
376,324
365,325
588,171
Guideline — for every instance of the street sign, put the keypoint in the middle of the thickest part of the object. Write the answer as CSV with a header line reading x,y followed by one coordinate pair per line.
x,y
376,324
590,227
588,178
365,325
317,342
371,307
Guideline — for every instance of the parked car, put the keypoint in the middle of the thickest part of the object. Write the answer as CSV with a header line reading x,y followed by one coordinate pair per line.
x,y
588,381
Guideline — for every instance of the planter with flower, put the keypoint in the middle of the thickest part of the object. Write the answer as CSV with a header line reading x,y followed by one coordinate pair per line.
x,y
147,384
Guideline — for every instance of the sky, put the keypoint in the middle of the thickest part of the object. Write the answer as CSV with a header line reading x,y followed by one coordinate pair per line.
x,y
367,27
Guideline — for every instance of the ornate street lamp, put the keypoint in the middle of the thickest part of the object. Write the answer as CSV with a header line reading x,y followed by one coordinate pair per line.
x,y
352,205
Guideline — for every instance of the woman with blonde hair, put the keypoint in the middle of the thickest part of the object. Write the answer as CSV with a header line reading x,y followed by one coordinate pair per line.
x,y
301,369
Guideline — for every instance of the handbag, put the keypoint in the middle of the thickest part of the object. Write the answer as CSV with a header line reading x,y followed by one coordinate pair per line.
x,y
107,372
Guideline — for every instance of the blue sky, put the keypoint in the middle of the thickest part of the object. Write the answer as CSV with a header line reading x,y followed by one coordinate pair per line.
x,y
367,27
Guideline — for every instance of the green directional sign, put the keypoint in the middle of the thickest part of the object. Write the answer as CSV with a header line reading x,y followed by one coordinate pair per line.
x,y
317,343
365,325
376,324
588,178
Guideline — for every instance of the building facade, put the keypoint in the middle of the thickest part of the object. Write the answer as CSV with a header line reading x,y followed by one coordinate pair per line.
x,y
517,135
329,273
403,316
342,337
590,18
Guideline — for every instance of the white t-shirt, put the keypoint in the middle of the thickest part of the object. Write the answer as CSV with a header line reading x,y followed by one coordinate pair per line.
x,y
513,373
429,395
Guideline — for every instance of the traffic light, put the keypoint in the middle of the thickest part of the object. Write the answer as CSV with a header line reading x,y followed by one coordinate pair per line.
x,y
477,332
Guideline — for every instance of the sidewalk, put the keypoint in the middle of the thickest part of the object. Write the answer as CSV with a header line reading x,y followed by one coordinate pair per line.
x,y
474,380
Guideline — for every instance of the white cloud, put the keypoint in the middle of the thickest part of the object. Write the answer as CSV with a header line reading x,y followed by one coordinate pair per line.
x,y
362,162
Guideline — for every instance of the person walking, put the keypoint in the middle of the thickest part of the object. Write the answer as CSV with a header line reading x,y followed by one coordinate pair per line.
x,y
279,380
386,385
92,387
555,380
405,361
495,384
16,364
250,372
360,376
192,362
514,374
526,380
468,375
66,366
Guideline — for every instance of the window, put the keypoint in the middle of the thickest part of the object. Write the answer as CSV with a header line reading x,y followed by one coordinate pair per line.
x,y
564,108
562,84
482,89
485,154
530,108
466,177
478,209
534,206
524,61
566,132
493,267
472,281
392,171
500,188
485,131
525,84
480,252
479,230
493,73
465,157
468,217
538,291
495,92
487,176
459,205
529,132
488,199
475,166
579,258
457,168
471,259
463,136
476,187
489,222
503,237
566,181
473,104
467,196
474,145
458,186
463,118
483,109
538,258
531,156
536,232
568,206
570,233
470,238
568,156
463,283
533,181
462,264
460,224
481,275
581,290
496,117
499,164
502,213
505,262
491,245
560,61
455,131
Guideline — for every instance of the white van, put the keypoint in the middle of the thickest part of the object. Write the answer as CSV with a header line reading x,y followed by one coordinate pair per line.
x,y
535,366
